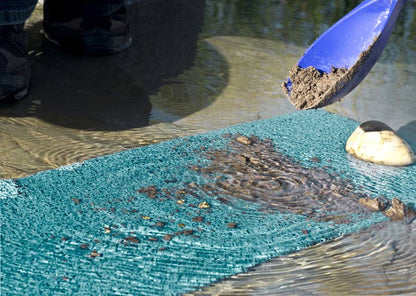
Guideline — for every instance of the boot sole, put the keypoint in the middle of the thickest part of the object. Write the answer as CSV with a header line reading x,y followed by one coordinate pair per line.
x,y
93,45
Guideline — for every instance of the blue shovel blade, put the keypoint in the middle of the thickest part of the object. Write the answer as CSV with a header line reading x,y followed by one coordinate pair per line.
x,y
364,30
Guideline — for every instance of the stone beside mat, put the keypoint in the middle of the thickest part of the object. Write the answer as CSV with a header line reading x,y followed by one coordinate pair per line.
x,y
170,218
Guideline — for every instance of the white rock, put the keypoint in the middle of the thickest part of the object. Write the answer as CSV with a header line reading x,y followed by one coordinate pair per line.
x,y
376,142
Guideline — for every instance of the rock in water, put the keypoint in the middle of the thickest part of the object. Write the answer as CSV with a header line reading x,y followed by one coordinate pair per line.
x,y
399,211
376,142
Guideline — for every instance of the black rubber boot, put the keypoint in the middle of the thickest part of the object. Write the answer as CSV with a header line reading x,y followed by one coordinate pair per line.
x,y
14,64
69,28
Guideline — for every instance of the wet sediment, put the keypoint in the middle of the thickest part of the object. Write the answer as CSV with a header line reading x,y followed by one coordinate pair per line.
x,y
253,170
313,88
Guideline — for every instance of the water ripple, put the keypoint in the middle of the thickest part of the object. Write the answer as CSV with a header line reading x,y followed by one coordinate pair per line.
x,y
378,261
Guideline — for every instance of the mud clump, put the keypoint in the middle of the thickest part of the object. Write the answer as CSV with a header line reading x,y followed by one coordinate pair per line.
x,y
309,85
132,239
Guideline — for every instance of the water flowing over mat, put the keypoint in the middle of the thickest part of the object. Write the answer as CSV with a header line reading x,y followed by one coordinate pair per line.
x,y
169,218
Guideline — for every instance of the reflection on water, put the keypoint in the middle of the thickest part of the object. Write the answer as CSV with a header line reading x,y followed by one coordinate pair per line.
x,y
173,83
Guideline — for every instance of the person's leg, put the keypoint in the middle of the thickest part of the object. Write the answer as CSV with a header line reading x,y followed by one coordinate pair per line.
x,y
15,11
14,63
87,26
104,7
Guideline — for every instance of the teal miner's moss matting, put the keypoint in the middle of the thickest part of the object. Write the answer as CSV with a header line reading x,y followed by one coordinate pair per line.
x,y
150,221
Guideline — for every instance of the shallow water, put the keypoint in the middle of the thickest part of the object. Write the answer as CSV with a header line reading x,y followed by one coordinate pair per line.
x,y
378,261
196,68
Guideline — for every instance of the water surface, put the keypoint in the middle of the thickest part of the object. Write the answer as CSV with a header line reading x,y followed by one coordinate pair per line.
x,y
198,66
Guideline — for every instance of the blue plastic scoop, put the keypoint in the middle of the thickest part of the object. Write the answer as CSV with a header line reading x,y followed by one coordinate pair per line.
x,y
353,45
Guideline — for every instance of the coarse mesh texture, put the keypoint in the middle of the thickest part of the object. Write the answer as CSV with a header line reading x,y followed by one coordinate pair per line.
x,y
158,220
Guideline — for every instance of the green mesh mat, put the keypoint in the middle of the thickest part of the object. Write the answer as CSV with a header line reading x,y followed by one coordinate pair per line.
x,y
170,218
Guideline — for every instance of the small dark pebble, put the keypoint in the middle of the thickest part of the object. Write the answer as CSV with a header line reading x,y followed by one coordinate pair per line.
x,y
171,181
151,191
153,239
76,200
95,254
232,225
159,224
223,200
304,231
188,231
180,192
315,159
167,237
84,246
162,249
132,239
198,219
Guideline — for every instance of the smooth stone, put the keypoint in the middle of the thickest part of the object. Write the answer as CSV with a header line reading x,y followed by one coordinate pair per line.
x,y
376,142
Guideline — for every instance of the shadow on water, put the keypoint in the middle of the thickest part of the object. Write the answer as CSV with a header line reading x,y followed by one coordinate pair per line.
x,y
112,92
408,132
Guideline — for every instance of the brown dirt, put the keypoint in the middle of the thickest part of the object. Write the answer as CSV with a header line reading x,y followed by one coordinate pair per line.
x,y
254,171
310,85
